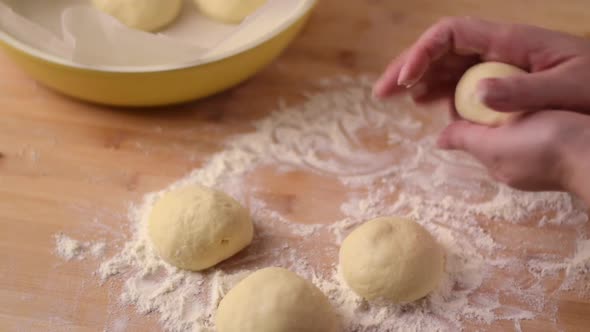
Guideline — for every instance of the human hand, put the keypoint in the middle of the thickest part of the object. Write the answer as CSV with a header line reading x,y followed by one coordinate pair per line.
x,y
544,150
559,65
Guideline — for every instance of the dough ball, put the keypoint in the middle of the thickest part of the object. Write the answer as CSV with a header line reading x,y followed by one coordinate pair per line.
x,y
229,11
147,15
275,300
467,102
391,259
195,227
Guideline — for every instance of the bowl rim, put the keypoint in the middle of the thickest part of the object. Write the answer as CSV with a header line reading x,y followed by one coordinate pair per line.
x,y
30,50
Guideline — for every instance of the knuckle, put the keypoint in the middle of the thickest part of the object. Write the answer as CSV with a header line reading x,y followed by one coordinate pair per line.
x,y
506,87
505,35
509,29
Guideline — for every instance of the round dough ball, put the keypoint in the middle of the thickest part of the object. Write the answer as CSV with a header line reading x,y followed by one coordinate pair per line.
x,y
275,300
194,227
229,11
391,259
147,15
467,102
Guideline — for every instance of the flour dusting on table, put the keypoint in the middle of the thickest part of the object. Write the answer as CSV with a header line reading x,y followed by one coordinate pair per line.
x,y
68,248
383,156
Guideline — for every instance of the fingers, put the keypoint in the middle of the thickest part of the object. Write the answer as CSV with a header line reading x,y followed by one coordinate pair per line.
x,y
469,137
524,46
463,135
461,35
441,80
386,85
464,36
555,88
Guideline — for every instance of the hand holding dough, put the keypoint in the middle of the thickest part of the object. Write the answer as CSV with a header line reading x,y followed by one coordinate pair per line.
x,y
391,259
194,227
275,300
467,102
147,15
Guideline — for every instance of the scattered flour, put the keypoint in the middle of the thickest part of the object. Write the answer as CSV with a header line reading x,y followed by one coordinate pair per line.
x,y
383,155
29,153
97,249
68,248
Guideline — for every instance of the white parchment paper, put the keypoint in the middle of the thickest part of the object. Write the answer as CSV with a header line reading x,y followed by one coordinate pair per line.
x,y
74,30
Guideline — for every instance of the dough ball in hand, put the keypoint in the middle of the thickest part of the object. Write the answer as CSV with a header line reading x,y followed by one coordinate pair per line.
x,y
229,11
194,227
275,300
467,102
147,15
391,259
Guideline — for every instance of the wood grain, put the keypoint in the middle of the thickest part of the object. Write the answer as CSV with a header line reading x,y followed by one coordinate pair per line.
x,y
70,166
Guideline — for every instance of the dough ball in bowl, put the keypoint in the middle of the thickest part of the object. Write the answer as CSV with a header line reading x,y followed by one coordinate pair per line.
x,y
194,227
467,101
391,259
229,11
147,15
275,300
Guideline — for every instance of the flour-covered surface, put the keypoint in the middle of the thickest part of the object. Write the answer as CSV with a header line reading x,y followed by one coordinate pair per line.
x,y
312,171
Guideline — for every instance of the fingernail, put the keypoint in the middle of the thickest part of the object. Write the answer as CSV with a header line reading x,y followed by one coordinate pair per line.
x,y
404,80
489,92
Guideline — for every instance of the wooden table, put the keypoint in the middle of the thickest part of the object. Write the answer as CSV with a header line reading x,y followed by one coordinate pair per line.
x,y
66,165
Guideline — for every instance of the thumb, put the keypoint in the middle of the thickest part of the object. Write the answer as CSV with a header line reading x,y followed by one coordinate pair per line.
x,y
550,89
466,136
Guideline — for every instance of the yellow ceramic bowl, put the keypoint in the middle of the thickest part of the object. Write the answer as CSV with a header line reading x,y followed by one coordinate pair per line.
x,y
137,86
